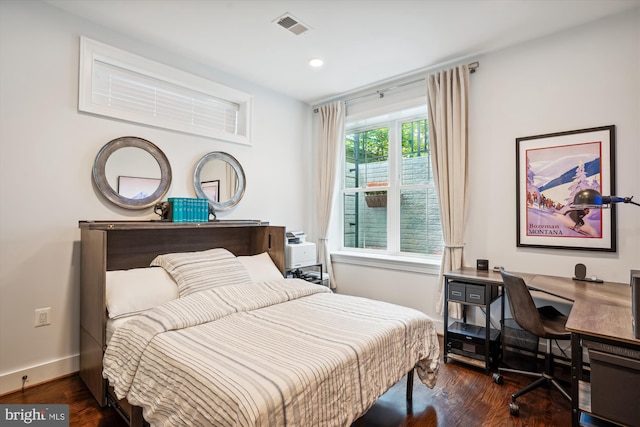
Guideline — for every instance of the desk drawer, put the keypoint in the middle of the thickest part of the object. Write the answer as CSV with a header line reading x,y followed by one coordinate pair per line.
x,y
474,294
457,291
614,387
467,292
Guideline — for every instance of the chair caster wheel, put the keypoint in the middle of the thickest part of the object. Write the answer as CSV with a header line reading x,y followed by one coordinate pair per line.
x,y
497,378
514,409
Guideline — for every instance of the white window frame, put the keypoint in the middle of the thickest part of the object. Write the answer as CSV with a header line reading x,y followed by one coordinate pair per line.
x,y
92,52
391,257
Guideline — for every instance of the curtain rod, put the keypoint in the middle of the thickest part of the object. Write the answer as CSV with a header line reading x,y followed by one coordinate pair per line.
x,y
472,69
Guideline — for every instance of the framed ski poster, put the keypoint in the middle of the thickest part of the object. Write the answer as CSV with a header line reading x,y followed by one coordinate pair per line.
x,y
550,170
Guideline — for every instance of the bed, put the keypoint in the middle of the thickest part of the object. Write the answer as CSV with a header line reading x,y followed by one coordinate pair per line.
x,y
237,344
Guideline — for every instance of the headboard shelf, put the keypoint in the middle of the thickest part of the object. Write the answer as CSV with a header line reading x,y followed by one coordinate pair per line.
x,y
121,245
151,224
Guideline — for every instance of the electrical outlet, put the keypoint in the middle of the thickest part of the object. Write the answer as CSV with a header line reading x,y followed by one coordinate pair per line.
x,y
43,317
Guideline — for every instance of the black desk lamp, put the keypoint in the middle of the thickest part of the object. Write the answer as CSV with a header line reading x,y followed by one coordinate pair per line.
x,y
593,200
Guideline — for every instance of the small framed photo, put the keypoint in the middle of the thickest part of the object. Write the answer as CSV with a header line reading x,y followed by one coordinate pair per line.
x,y
211,189
550,170
133,187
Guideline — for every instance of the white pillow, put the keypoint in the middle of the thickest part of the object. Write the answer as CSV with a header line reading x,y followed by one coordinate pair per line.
x,y
138,289
260,267
203,270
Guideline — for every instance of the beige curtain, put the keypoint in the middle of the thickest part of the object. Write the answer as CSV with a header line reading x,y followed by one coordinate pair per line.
x,y
448,93
232,182
330,140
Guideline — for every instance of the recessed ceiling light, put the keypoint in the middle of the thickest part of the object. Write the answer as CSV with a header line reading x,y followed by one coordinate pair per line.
x,y
316,62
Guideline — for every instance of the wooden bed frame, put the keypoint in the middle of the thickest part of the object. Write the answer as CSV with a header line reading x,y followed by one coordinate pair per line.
x,y
121,245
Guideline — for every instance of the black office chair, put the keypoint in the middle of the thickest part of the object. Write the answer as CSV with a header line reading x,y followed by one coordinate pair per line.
x,y
543,322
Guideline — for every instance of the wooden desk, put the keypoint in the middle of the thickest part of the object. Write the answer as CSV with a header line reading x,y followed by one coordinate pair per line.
x,y
601,314
562,287
605,327
576,290
600,318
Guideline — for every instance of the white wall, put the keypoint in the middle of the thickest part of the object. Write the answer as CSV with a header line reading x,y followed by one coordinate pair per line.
x,y
585,77
47,151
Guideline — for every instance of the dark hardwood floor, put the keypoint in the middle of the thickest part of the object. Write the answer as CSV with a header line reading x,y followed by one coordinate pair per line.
x,y
463,397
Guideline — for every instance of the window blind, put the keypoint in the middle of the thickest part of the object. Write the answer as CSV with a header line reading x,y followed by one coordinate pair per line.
x,y
142,95
118,84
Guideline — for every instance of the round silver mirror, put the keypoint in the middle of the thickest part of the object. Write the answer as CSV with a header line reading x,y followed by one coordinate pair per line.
x,y
219,177
132,172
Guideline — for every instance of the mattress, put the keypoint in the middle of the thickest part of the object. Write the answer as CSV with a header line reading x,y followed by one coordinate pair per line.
x,y
113,324
284,352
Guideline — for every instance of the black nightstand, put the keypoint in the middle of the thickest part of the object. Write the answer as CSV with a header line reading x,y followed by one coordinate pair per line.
x,y
311,273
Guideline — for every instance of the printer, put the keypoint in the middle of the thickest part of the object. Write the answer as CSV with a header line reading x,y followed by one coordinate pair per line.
x,y
296,237
298,252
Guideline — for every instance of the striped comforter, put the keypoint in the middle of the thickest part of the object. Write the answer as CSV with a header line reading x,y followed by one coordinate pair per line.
x,y
281,353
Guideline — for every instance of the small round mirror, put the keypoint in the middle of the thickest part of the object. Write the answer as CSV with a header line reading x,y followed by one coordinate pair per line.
x,y
219,177
132,172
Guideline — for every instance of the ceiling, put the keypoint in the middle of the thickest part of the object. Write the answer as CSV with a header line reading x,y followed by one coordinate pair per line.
x,y
362,42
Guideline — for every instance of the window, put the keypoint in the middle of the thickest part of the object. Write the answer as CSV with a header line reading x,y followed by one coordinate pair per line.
x,y
389,199
115,83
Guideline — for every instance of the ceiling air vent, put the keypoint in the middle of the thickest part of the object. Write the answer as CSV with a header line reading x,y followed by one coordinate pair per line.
x,y
292,24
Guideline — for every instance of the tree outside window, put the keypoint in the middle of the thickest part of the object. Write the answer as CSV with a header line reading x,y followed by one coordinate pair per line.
x,y
385,210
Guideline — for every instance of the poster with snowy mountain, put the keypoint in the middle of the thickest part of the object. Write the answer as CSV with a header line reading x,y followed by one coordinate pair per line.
x,y
133,187
551,170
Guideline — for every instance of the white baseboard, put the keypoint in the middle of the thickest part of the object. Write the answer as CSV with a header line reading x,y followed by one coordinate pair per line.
x,y
12,381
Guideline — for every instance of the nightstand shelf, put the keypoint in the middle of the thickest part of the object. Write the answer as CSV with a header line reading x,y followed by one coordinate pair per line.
x,y
478,346
311,273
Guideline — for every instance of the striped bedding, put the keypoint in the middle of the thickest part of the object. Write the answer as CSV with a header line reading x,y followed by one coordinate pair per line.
x,y
279,353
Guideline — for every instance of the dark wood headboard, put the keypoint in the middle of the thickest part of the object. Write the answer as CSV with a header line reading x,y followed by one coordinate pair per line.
x,y
121,245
